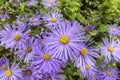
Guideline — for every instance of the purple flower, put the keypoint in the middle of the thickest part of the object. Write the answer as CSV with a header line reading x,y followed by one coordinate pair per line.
x,y
13,37
52,19
90,27
46,63
110,49
90,73
15,3
13,73
110,74
114,30
28,50
64,40
35,21
31,73
50,3
86,56
32,3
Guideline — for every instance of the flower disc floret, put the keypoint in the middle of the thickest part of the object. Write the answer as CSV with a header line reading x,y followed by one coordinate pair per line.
x,y
28,72
47,56
111,48
84,51
8,73
64,39
16,37
87,66
28,49
109,73
53,19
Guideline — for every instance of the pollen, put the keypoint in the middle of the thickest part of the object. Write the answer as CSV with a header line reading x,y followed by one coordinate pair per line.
x,y
35,20
87,66
8,73
47,56
28,49
53,19
16,37
109,73
64,39
28,72
84,51
111,48
51,2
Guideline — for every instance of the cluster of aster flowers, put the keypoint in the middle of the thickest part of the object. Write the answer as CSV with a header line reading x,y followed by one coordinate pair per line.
x,y
47,53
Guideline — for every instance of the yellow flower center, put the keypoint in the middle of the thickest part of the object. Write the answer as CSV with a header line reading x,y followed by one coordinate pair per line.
x,y
28,49
64,39
51,2
114,30
35,20
53,19
109,73
16,37
84,51
111,48
28,72
87,66
47,56
8,73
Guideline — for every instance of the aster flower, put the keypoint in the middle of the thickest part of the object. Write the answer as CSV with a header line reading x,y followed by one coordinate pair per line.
x,y
35,20
13,36
32,3
52,18
13,73
28,50
110,49
90,73
31,73
50,3
64,40
85,57
90,27
114,30
110,74
15,3
46,63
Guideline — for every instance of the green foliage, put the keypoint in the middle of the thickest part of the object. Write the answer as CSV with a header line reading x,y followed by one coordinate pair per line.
x,y
97,12
71,72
